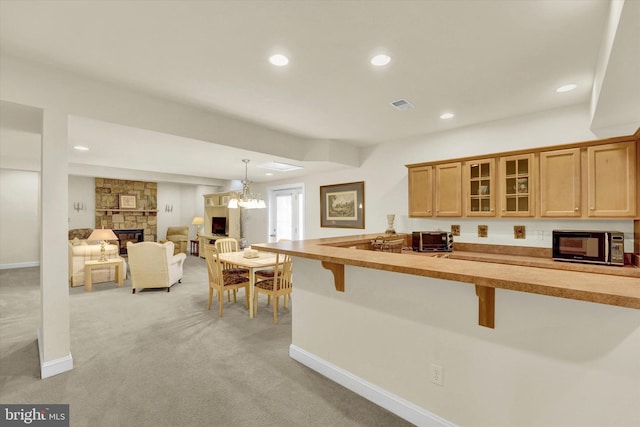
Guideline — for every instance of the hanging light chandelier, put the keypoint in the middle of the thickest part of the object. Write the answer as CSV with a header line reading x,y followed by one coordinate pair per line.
x,y
247,200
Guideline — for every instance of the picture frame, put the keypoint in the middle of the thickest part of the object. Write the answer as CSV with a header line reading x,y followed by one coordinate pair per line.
x,y
225,200
127,201
342,205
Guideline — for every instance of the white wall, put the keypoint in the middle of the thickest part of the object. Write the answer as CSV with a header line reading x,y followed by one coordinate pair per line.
x,y
549,362
170,208
19,218
82,190
197,197
187,202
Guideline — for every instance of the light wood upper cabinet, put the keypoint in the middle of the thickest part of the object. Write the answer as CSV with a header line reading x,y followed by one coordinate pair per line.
x,y
421,191
612,176
517,185
480,187
448,190
595,179
560,183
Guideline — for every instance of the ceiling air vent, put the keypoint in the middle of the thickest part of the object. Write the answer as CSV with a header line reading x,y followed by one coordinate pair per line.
x,y
402,104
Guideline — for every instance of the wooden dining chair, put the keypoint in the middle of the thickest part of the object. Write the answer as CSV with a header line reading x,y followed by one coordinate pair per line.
x,y
279,285
268,273
225,245
220,282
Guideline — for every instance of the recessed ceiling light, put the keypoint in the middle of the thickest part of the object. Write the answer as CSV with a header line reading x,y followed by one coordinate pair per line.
x,y
380,60
445,116
566,88
268,174
279,167
279,60
80,148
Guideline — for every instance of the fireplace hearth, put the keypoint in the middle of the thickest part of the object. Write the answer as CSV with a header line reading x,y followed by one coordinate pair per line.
x,y
124,236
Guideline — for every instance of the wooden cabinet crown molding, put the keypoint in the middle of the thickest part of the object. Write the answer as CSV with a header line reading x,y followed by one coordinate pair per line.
x,y
536,150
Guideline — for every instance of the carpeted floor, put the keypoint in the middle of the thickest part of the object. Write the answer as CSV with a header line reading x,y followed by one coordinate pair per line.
x,y
161,359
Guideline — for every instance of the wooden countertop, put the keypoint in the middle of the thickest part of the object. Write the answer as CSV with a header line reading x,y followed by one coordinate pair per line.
x,y
486,271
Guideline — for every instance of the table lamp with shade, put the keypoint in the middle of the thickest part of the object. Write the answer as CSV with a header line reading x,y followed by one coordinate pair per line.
x,y
102,234
197,221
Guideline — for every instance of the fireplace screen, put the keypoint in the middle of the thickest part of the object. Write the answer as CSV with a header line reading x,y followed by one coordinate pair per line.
x,y
124,236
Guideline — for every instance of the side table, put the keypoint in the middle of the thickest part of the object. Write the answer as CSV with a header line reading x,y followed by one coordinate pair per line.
x,y
90,265
195,247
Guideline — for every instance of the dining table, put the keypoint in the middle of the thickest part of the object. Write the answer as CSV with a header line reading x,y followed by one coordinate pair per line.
x,y
260,261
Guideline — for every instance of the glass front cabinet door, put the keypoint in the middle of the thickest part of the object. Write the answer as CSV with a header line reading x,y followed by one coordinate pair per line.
x,y
479,181
517,178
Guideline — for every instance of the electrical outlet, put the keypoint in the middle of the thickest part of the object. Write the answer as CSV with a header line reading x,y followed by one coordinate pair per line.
x,y
437,374
483,231
519,232
455,230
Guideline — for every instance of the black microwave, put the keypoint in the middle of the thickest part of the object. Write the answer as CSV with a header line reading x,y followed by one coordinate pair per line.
x,y
594,247
432,241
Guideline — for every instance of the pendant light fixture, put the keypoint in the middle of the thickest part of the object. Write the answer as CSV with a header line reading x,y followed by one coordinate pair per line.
x,y
247,200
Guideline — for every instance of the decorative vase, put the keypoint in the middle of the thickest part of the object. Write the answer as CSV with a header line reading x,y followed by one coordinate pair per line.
x,y
390,219
244,243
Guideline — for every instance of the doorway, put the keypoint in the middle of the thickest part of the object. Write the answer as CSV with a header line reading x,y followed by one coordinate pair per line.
x,y
286,213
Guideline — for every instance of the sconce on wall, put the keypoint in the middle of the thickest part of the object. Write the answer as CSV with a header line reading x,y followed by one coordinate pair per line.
x,y
79,206
168,208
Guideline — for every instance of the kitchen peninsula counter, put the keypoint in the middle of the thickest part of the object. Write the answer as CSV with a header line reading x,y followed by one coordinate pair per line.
x,y
619,286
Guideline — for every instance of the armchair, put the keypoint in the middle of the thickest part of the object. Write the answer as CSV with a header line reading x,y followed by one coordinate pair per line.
x,y
153,265
180,237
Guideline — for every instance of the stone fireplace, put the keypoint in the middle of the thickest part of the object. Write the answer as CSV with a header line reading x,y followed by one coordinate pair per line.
x,y
124,236
139,215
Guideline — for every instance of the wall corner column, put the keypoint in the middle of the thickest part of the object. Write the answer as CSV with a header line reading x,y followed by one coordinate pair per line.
x,y
54,341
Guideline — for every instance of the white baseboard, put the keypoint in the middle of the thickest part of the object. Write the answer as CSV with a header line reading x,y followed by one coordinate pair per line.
x,y
20,265
391,402
53,367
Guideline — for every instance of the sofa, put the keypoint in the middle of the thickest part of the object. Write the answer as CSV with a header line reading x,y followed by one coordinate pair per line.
x,y
81,250
180,237
153,265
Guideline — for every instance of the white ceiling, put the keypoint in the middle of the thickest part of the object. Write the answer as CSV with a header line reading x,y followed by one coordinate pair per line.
x,y
482,60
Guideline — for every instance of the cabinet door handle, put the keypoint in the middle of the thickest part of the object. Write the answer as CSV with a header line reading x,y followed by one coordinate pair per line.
x,y
576,209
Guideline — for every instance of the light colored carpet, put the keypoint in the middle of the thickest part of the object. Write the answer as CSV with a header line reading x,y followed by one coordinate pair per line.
x,y
161,359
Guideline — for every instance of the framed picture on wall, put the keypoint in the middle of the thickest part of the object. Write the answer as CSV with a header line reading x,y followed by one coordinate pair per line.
x,y
342,205
127,202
